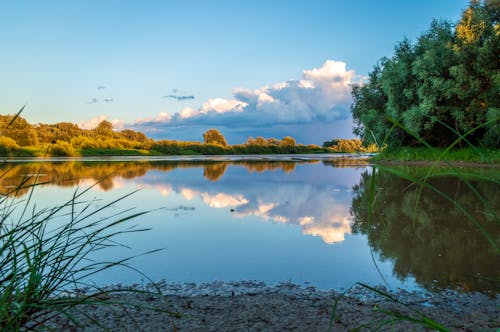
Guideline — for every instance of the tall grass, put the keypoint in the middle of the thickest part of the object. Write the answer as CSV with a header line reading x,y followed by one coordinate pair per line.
x,y
46,252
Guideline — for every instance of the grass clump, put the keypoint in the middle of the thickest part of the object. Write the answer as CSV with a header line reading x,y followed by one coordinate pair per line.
x,y
44,253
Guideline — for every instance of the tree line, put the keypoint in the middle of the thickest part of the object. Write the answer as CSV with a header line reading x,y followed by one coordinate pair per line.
x,y
445,84
20,138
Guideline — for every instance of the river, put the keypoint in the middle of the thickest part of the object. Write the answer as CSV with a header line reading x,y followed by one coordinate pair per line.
x,y
328,221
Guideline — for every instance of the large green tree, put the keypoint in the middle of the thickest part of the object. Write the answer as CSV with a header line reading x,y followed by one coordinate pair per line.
x,y
449,80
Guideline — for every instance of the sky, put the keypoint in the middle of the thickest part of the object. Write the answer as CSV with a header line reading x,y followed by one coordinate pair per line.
x,y
174,69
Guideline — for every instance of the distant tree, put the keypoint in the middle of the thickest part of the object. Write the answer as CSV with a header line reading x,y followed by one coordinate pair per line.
x,y
133,135
18,129
7,144
328,144
288,141
62,148
104,128
213,136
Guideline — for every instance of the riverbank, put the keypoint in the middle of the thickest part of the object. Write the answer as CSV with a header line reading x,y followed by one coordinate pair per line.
x,y
255,306
418,156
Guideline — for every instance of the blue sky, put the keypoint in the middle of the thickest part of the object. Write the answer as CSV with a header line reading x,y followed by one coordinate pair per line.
x,y
176,68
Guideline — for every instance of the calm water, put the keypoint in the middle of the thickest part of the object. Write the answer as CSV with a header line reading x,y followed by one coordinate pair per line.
x,y
304,221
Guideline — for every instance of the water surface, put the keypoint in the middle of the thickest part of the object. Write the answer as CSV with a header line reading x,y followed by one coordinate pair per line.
x,y
302,219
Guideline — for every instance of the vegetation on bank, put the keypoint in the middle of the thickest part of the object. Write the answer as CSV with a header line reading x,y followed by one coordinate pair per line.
x,y
467,155
436,90
22,139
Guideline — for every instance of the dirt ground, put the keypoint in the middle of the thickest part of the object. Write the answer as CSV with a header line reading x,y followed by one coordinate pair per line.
x,y
285,307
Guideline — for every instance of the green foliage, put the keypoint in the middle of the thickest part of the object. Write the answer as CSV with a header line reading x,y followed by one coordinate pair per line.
x,y
328,144
260,145
104,128
66,139
349,146
486,156
448,78
18,129
42,259
7,145
62,148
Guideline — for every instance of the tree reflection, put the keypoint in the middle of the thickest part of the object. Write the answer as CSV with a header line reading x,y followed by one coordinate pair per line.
x,y
425,235
215,171
105,174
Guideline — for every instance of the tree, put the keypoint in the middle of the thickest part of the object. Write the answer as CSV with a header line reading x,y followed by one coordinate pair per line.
x,y
288,141
328,144
213,136
104,128
18,129
447,82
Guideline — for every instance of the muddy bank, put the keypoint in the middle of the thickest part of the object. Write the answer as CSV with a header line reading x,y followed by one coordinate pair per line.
x,y
255,306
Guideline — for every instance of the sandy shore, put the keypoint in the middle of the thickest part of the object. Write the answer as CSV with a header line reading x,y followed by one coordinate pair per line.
x,y
255,306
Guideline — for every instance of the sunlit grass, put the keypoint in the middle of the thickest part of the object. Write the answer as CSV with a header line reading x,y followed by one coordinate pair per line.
x,y
486,156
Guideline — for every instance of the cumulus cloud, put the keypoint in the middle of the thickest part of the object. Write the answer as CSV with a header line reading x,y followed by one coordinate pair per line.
x,y
321,94
312,108
94,122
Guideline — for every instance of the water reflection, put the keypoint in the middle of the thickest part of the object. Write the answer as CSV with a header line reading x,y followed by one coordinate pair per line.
x,y
70,174
315,209
425,235
319,209
416,233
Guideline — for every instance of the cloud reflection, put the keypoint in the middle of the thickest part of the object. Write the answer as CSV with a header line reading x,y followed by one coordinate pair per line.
x,y
314,210
319,210
311,197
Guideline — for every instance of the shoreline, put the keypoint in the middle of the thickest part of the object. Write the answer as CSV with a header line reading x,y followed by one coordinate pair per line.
x,y
256,306
370,158
430,163
221,157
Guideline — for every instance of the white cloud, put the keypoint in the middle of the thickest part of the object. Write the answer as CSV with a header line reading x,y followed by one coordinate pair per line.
x,y
222,200
220,105
94,122
187,112
320,95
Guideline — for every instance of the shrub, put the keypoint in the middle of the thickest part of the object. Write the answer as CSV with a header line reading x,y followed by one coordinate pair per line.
x,y
62,148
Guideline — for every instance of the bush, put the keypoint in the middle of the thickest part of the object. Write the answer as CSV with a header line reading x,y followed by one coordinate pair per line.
x,y
62,148
7,145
